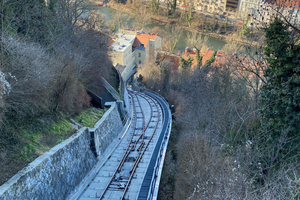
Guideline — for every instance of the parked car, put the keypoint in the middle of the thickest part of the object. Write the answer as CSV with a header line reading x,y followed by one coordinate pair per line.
x,y
219,18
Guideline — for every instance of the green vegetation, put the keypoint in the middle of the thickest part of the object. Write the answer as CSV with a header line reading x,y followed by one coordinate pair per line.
x,y
237,140
199,58
189,17
226,23
37,136
280,95
22,145
174,6
154,4
42,83
186,64
244,28
90,117
211,59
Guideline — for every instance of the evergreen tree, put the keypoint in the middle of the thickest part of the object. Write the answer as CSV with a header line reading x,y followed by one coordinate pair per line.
x,y
226,23
154,4
199,58
244,29
189,17
174,6
211,59
29,18
185,64
207,27
168,10
280,96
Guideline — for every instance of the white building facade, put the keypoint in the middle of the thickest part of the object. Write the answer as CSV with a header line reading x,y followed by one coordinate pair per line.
x,y
121,52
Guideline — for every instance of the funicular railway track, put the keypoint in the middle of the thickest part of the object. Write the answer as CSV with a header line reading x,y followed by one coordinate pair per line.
x,y
137,142
146,120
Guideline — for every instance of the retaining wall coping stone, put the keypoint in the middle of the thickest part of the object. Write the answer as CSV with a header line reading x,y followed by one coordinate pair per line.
x,y
106,114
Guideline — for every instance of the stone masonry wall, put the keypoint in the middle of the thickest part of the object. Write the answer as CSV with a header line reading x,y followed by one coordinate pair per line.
x,y
107,129
55,174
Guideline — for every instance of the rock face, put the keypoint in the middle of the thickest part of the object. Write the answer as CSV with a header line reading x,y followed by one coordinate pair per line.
x,y
55,174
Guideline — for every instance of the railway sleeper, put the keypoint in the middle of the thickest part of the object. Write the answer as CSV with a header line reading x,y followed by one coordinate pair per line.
x,y
131,159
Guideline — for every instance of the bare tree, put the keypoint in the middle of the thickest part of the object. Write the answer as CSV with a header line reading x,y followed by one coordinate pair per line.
x,y
196,40
140,9
171,38
70,11
32,73
120,18
232,45
97,21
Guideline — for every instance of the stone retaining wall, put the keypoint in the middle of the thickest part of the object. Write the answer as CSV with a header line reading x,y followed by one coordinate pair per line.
x,y
107,129
56,174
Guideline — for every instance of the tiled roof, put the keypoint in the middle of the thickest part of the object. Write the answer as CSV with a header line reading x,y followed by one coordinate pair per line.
x,y
110,42
143,38
207,56
242,65
165,57
288,3
193,54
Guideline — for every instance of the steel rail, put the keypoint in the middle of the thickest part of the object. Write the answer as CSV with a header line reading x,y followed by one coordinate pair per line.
x,y
139,158
125,153
129,146
145,127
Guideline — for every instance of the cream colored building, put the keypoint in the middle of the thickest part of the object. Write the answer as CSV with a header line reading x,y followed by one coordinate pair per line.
x,y
248,9
211,6
146,46
290,10
224,7
121,52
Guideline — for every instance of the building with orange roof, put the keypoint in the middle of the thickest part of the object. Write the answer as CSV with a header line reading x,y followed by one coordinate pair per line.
x,y
249,70
110,42
193,54
207,56
242,67
146,46
173,59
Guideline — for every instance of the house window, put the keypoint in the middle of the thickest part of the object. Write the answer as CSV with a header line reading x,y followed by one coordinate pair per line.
x,y
139,54
140,62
